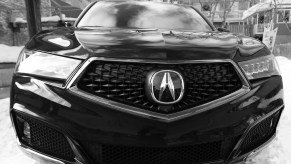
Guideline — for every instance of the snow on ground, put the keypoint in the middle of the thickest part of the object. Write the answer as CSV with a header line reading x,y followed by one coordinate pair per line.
x,y
279,152
9,54
9,152
54,18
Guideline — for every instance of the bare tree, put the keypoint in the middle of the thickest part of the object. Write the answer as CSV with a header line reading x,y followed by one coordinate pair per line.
x,y
226,10
212,5
226,5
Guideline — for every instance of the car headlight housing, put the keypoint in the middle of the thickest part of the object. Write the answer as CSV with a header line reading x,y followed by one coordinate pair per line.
x,y
46,65
261,67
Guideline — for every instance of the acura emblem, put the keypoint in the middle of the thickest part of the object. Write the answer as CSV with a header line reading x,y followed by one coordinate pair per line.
x,y
165,86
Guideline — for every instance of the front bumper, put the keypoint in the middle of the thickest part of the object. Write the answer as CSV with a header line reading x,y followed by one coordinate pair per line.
x,y
42,158
84,121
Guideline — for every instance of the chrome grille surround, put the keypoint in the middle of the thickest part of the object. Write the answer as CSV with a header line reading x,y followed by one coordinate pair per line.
x,y
71,86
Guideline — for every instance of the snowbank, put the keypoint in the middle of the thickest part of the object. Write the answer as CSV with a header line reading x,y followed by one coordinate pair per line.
x,y
54,18
9,54
9,151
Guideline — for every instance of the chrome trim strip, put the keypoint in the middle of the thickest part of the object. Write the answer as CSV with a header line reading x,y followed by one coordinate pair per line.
x,y
162,117
79,158
90,60
159,116
235,153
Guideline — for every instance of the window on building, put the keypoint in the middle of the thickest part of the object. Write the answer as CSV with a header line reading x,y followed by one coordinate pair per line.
x,y
261,18
283,15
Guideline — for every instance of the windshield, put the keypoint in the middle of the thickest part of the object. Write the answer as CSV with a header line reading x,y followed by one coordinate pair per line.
x,y
143,15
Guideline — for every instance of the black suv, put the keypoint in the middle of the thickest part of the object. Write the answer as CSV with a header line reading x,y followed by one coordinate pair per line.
x,y
144,83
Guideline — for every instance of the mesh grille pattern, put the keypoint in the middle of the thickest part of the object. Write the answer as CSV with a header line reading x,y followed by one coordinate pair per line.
x,y
47,140
228,144
200,153
125,82
171,155
260,133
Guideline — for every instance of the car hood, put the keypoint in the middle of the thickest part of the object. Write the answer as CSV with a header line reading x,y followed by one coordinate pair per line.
x,y
144,44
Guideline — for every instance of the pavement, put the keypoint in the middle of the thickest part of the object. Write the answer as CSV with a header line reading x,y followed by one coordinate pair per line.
x,y
6,71
4,92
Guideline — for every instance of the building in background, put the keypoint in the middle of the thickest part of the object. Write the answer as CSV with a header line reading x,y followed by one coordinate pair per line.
x,y
266,14
13,28
224,13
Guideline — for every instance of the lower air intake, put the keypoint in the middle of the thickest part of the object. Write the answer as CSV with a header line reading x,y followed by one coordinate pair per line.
x,y
260,133
45,139
156,155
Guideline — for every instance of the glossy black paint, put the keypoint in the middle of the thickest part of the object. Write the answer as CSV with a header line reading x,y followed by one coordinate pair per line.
x,y
141,43
84,120
155,44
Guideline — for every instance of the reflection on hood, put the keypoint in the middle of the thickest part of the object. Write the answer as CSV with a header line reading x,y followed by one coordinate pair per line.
x,y
143,15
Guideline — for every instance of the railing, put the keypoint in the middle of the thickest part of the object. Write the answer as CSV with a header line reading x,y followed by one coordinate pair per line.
x,y
240,28
258,28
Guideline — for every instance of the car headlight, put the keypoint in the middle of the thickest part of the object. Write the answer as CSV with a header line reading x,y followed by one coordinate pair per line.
x,y
46,65
261,67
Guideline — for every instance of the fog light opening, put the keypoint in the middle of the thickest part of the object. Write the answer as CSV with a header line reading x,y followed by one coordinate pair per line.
x,y
26,130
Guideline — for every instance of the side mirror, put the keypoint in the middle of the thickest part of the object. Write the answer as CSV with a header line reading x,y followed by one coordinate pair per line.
x,y
220,29
63,24
68,24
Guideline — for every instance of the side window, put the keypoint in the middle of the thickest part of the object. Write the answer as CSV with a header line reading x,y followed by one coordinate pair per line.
x,y
283,15
261,18
287,15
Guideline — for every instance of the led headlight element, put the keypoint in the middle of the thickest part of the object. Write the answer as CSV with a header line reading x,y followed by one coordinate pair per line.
x,y
260,67
46,65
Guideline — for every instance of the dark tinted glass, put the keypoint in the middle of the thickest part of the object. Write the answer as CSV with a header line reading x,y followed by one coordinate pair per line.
x,y
143,15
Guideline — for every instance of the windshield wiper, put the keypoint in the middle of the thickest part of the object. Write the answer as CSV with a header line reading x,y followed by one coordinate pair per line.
x,y
145,30
86,27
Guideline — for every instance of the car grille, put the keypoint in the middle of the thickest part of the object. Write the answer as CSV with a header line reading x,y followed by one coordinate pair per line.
x,y
260,133
112,154
188,154
174,155
125,83
45,139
